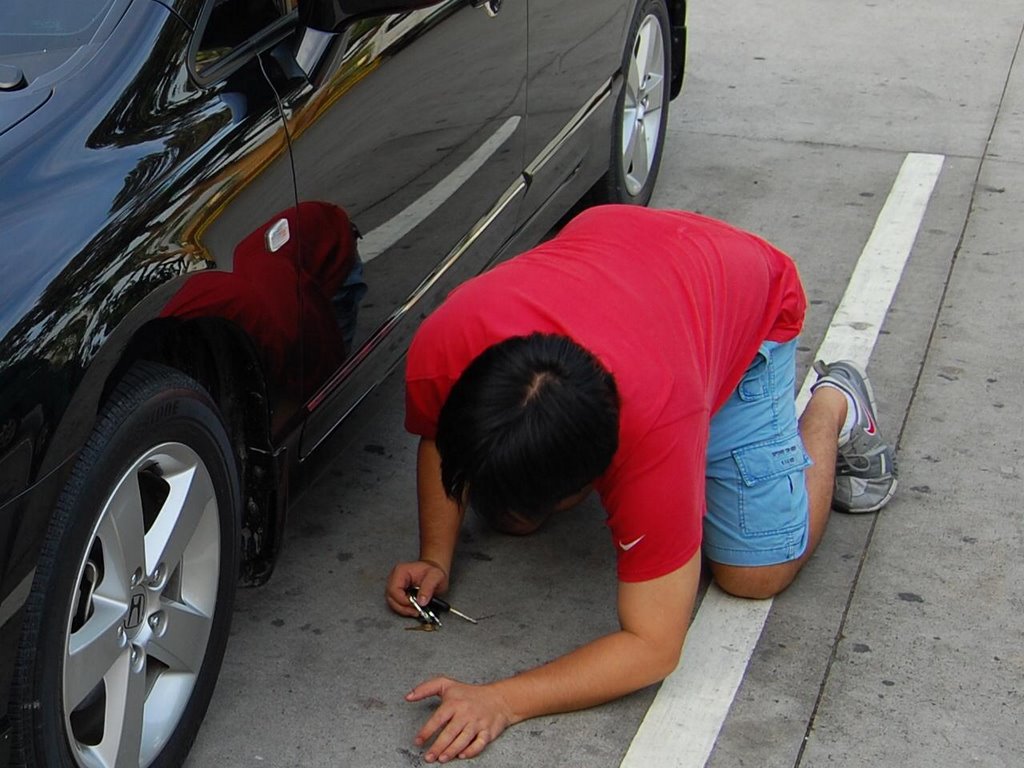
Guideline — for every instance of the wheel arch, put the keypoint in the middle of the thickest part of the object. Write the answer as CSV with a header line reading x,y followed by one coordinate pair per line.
x,y
219,356
225,361
677,20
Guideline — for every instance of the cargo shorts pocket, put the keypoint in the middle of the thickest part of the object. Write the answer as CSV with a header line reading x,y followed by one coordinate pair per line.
x,y
756,383
772,491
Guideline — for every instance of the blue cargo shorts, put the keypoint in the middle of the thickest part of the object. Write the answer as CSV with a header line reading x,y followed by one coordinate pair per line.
x,y
757,510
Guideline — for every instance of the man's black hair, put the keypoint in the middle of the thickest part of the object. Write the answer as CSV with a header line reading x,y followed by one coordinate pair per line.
x,y
531,421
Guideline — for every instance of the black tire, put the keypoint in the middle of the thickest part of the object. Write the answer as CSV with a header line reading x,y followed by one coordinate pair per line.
x,y
626,182
159,440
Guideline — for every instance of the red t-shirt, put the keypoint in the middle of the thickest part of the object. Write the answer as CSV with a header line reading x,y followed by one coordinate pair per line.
x,y
674,305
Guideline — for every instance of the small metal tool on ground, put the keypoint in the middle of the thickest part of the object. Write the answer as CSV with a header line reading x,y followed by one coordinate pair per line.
x,y
420,626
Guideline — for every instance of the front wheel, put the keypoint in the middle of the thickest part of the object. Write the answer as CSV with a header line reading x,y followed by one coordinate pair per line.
x,y
127,621
641,112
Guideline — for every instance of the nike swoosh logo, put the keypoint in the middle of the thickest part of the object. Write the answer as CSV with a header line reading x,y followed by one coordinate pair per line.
x,y
626,547
871,428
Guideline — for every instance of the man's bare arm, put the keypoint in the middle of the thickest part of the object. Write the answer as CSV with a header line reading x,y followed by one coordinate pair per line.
x,y
440,519
654,616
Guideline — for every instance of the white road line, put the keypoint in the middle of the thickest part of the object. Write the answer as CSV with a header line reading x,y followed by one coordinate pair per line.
x,y
683,722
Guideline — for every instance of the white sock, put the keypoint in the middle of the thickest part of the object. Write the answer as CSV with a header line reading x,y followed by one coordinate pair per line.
x,y
851,412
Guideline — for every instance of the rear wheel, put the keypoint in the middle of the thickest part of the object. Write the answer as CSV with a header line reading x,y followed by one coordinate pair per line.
x,y
128,617
641,112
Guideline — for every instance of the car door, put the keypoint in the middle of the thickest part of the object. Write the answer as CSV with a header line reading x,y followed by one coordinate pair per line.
x,y
575,49
238,203
411,126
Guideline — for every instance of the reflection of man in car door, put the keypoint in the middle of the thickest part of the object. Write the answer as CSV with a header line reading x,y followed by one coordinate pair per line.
x,y
271,293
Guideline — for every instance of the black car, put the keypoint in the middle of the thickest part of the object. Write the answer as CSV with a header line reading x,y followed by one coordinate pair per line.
x,y
220,223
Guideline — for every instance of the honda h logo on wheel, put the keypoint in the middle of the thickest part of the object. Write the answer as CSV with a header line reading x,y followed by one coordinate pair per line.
x,y
135,611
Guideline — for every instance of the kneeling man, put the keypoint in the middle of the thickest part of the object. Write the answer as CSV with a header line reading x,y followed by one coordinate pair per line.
x,y
650,356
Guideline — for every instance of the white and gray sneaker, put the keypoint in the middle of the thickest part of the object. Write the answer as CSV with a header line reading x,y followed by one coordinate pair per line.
x,y
866,464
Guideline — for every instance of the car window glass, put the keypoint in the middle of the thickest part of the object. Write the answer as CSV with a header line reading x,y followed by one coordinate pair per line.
x,y
29,26
231,23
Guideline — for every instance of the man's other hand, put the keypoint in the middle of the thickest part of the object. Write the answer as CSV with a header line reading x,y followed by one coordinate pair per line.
x,y
468,719
430,578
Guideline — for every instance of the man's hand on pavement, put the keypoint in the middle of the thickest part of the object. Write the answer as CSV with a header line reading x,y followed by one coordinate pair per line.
x,y
467,720
429,577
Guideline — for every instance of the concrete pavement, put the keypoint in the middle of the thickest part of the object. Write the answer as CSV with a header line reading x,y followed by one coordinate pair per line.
x,y
900,643
928,667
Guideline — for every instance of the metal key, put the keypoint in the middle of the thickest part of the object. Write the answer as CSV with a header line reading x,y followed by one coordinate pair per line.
x,y
436,606
426,616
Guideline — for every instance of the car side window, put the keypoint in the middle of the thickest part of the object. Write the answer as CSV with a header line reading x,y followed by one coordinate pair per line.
x,y
231,24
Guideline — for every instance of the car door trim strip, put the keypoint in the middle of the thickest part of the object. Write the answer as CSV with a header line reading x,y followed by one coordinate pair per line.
x,y
569,129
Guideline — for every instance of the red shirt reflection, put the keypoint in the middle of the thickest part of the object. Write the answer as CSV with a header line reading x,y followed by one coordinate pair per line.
x,y
294,302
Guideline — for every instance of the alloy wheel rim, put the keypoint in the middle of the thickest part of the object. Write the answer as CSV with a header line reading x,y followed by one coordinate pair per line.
x,y
643,104
142,611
